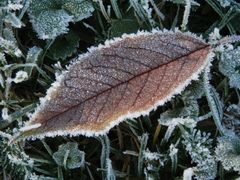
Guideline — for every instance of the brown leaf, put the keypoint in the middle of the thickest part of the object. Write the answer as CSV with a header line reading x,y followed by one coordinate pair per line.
x,y
125,78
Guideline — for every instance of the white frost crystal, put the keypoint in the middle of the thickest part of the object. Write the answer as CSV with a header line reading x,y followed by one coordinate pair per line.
x,y
187,174
5,114
225,3
20,77
198,146
215,36
228,153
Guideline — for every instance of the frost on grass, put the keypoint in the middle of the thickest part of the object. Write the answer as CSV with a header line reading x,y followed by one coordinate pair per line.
x,y
225,3
174,122
153,161
229,65
9,47
193,2
13,158
198,146
228,152
215,36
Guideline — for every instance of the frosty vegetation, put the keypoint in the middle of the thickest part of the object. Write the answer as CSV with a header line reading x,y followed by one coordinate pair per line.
x,y
195,135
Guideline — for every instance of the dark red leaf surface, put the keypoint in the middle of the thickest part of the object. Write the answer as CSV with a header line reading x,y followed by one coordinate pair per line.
x,y
125,78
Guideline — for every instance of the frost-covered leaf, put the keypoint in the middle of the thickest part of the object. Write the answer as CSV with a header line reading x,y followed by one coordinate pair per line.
x,y
194,90
229,65
228,152
80,9
69,156
50,18
64,46
38,6
124,78
52,23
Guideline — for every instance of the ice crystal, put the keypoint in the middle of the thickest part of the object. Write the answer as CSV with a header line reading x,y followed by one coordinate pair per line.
x,y
20,77
14,6
228,152
198,146
151,155
215,36
187,174
5,115
153,162
225,3
173,151
229,65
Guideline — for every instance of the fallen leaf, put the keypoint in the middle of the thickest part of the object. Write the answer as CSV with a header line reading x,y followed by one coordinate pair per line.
x,y
124,78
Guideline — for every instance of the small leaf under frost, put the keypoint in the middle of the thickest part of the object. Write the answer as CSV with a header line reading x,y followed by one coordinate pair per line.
x,y
64,46
125,78
51,24
69,156
80,9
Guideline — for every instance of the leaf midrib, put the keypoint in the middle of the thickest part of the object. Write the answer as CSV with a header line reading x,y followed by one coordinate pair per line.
x,y
175,59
